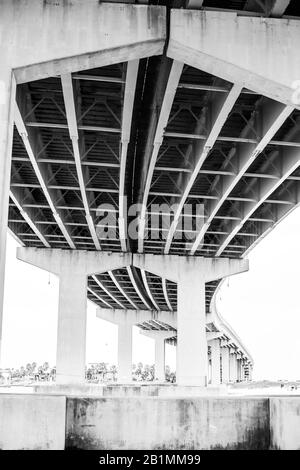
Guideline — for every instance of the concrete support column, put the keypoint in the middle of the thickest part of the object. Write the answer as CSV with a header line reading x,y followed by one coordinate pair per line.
x,y
160,359
242,371
250,372
159,338
233,368
192,357
125,352
72,267
239,370
215,362
71,328
7,101
191,273
225,365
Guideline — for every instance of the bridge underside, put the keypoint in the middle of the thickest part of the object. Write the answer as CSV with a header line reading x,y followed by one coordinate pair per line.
x,y
159,117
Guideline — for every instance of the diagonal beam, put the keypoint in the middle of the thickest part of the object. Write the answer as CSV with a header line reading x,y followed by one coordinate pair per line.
x,y
278,8
155,145
281,213
68,93
273,116
99,297
28,219
164,286
129,94
27,141
194,4
144,277
51,125
118,285
220,111
136,287
273,8
288,160
99,283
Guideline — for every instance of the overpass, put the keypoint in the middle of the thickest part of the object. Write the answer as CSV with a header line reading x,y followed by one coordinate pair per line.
x,y
144,152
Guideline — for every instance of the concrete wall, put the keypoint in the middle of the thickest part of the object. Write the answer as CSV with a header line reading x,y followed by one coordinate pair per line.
x,y
133,390
167,423
134,420
32,422
285,423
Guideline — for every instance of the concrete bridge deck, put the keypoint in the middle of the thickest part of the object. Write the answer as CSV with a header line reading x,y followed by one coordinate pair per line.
x,y
187,113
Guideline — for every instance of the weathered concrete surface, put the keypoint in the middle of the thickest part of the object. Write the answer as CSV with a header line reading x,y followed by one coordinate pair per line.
x,y
260,53
32,422
140,417
128,390
66,43
161,423
285,423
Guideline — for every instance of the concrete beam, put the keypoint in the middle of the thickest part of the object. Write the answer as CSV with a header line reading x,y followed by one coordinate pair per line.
x,y
175,267
79,45
154,144
68,94
135,317
158,334
30,140
129,94
212,335
242,53
87,262
278,7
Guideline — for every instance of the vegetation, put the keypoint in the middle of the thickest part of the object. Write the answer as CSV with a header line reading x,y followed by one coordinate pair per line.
x,y
95,373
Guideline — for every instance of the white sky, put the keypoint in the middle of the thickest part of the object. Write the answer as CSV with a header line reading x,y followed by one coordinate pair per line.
x,y
261,305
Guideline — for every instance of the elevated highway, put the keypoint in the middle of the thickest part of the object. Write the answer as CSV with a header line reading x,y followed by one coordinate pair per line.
x,y
144,152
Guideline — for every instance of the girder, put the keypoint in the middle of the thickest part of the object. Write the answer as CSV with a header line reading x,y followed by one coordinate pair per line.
x,y
273,116
129,94
91,138
68,93
218,115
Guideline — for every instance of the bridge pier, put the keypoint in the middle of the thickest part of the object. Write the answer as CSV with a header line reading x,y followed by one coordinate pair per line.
x,y
72,268
71,328
7,99
215,362
190,273
225,365
232,367
159,338
125,352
